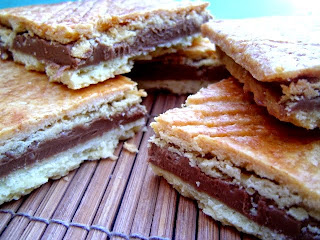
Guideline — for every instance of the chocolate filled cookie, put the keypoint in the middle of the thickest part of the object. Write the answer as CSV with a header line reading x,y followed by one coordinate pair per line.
x,y
47,130
80,43
244,167
277,58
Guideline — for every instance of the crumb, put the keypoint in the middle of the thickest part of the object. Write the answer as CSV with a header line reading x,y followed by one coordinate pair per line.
x,y
279,69
66,178
145,129
4,56
113,157
197,183
130,147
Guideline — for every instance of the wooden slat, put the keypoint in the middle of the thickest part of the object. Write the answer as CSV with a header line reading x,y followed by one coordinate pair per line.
x,y
70,201
29,206
130,200
186,221
248,237
207,227
143,216
164,214
6,217
108,208
147,197
47,207
148,102
229,233
92,197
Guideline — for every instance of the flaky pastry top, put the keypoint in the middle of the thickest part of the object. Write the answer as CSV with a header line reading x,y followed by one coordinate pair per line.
x,y
69,21
270,48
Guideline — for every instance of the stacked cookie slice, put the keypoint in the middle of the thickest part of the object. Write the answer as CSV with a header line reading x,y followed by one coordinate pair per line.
x,y
49,128
247,148
278,63
85,42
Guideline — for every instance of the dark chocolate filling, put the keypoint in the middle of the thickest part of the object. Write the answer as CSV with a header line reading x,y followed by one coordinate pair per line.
x,y
38,151
266,211
60,54
158,70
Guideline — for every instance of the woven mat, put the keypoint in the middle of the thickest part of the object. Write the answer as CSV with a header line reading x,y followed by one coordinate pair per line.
x,y
109,199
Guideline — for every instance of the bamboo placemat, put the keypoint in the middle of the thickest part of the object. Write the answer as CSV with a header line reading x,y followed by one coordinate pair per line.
x,y
109,199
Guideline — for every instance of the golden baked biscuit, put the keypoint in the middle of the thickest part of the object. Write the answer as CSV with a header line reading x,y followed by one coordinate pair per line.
x,y
246,168
47,130
277,58
182,72
80,43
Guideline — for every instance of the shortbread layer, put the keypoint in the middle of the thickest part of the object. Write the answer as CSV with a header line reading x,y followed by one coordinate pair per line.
x,y
227,147
114,32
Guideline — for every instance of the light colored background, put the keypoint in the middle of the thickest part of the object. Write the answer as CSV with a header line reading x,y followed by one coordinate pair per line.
x,y
230,8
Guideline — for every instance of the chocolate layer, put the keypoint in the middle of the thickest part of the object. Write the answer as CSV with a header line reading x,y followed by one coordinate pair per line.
x,y
255,207
38,151
146,40
160,70
307,105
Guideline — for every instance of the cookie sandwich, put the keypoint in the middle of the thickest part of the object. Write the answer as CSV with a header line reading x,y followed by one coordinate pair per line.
x,y
84,42
277,58
245,168
47,130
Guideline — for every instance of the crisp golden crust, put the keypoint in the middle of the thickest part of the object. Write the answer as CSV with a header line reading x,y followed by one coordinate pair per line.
x,y
270,48
223,121
28,100
70,21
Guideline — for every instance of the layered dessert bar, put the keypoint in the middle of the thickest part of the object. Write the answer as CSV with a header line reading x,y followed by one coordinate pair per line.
x,y
182,72
244,167
47,130
277,58
80,43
